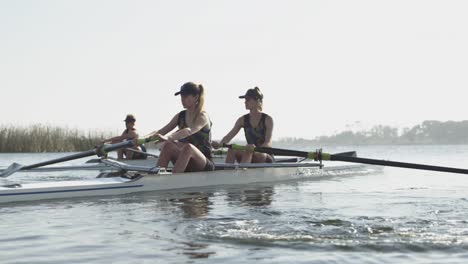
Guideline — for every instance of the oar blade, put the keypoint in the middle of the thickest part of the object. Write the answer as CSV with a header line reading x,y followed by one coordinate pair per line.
x,y
11,169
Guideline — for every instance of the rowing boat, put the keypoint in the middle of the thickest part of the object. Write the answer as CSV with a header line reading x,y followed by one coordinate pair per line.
x,y
152,161
127,178
134,179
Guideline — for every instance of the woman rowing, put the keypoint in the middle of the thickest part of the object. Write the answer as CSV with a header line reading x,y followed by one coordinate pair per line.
x,y
130,133
189,148
258,129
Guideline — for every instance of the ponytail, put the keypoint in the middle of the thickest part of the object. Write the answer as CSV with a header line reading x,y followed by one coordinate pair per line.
x,y
201,102
259,98
260,105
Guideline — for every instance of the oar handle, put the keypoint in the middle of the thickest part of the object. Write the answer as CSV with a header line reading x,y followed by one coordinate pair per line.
x,y
142,152
147,140
104,149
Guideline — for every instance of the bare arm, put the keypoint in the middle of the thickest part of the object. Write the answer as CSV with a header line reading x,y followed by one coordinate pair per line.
x,y
133,135
112,139
201,121
226,139
237,127
269,132
167,128
116,139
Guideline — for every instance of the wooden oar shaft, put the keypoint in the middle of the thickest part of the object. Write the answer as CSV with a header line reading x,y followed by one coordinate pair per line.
x,y
398,164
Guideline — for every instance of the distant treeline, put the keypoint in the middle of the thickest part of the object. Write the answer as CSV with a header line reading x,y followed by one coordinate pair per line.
x,y
41,138
428,132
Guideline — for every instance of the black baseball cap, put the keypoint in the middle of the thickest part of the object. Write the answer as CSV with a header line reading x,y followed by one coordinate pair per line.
x,y
189,88
253,93
130,118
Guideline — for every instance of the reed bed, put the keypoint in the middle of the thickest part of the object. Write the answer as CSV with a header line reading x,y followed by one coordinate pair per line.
x,y
46,138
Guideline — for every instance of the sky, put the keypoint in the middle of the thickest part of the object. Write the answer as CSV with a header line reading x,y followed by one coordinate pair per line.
x,y
323,66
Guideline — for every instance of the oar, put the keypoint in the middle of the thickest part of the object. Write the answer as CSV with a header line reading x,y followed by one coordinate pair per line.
x,y
347,153
319,156
142,152
100,151
285,152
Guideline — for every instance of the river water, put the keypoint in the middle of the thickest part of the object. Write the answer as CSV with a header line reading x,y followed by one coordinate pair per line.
x,y
389,216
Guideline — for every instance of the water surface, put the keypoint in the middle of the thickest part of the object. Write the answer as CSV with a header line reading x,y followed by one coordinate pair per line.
x,y
388,216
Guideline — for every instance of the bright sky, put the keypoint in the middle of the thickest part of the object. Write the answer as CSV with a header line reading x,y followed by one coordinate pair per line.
x,y
322,65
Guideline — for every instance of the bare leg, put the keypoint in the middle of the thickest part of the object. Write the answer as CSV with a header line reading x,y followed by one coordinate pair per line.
x,y
169,152
247,157
230,156
233,156
120,154
259,157
189,153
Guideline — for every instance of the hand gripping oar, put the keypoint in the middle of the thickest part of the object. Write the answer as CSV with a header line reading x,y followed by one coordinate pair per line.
x,y
100,151
319,156
142,152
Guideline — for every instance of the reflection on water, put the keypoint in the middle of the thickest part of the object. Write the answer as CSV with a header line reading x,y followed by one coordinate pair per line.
x,y
196,208
260,196
192,250
198,204
194,205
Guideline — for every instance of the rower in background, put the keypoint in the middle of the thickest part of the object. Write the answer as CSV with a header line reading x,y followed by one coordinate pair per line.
x,y
258,129
189,148
130,133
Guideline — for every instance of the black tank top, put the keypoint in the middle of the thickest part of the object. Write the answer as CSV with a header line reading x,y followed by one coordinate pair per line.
x,y
255,135
201,140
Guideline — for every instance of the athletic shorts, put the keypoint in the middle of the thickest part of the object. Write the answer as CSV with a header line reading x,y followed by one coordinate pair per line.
x,y
209,166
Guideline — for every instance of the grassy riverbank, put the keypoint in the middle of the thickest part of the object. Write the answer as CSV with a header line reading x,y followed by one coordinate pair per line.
x,y
44,138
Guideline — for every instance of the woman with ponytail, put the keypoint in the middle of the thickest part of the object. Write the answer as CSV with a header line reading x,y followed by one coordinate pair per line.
x,y
189,148
258,129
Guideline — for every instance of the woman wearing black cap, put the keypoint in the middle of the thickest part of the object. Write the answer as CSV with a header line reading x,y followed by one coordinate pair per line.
x,y
258,129
130,133
189,148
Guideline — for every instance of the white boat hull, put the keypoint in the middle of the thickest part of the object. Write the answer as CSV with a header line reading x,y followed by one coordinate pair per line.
x,y
160,182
